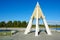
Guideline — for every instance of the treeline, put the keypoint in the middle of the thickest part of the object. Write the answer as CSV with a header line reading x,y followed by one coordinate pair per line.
x,y
21,24
51,26
13,24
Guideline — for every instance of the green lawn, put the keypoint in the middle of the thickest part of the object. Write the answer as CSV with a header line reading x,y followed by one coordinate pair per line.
x,y
5,33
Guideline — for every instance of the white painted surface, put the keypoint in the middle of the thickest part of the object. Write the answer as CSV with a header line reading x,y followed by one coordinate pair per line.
x,y
28,27
47,28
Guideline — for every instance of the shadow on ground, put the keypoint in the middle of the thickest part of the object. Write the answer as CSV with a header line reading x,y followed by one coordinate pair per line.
x,y
38,32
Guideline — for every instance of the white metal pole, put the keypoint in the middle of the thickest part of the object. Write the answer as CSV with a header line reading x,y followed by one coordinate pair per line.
x,y
46,26
28,27
37,27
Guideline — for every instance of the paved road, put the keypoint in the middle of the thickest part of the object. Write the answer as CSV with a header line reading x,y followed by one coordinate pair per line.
x,y
42,36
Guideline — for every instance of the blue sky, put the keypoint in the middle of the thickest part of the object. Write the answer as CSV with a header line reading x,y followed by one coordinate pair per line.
x,y
23,9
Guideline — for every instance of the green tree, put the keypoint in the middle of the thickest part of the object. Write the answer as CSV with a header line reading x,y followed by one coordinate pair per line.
x,y
15,24
2,24
9,24
24,24
19,23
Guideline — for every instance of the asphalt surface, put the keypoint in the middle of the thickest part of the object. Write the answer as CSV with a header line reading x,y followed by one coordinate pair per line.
x,y
31,36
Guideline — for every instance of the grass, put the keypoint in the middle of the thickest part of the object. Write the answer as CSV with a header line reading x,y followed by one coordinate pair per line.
x,y
5,33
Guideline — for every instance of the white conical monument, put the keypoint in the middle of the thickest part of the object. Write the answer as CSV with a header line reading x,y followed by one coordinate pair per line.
x,y
37,14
